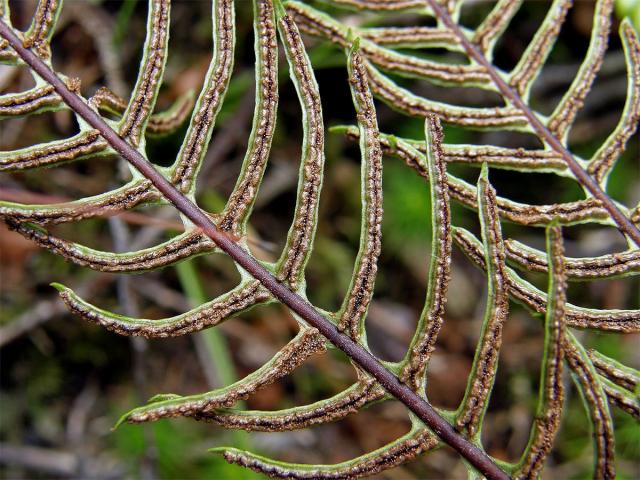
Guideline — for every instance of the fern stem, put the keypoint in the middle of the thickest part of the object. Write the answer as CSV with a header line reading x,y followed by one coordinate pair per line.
x,y
586,180
475,456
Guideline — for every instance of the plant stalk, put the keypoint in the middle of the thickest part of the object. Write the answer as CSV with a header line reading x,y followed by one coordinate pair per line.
x,y
425,412
580,173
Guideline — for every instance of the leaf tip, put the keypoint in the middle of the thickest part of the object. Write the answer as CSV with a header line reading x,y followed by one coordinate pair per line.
x,y
229,454
338,129
279,9
121,420
355,42
630,19
219,450
484,172
59,287
433,132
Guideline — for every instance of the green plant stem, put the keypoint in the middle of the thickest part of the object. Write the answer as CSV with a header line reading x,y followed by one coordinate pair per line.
x,y
215,343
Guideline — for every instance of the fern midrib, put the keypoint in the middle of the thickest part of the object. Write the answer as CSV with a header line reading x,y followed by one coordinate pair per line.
x,y
475,456
580,173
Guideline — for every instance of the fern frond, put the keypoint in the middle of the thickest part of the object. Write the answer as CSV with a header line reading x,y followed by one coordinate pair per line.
x,y
563,116
38,36
595,401
376,59
604,159
79,147
547,420
192,152
183,246
379,5
402,100
351,400
7,55
290,266
419,440
407,37
432,316
159,124
238,208
580,211
552,132
610,265
145,92
485,363
519,159
524,74
242,297
492,27
619,374
623,399
306,343
626,321
448,74
356,302
123,198
39,99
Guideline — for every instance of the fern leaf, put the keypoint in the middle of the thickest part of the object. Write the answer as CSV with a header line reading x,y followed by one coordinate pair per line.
x,y
412,67
307,343
418,441
349,401
523,75
492,27
568,213
290,267
611,265
623,376
79,147
38,36
496,157
181,247
210,100
627,321
595,401
604,159
623,399
126,197
39,99
354,308
432,317
159,124
238,208
145,92
242,297
563,116
547,420
406,102
485,363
